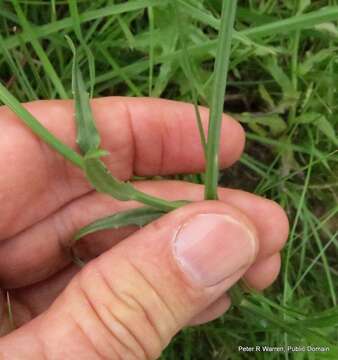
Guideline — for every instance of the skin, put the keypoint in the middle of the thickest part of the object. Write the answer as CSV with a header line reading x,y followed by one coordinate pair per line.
x,y
45,200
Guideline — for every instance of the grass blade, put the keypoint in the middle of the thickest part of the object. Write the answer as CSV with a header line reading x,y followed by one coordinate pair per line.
x,y
60,25
297,22
140,217
73,8
18,71
217,102
190,76
151,50
88,137
287,293
115,67
329,13
40,51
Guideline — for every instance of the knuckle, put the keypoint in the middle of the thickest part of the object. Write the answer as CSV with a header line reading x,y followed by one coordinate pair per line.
x,y
279,224
138,326
121,148
107,336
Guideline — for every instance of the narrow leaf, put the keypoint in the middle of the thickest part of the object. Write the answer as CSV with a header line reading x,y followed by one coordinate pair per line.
x,y
74,12
321,122
217,103
328,319
139,216
100,177
104,182
327,129
272,66
190,76
88,137
45,62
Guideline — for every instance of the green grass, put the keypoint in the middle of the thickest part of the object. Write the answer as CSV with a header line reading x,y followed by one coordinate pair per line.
x,y
282,86
220,76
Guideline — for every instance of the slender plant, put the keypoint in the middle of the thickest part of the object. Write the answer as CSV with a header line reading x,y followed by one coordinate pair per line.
x,y
217,100
260,313
88,138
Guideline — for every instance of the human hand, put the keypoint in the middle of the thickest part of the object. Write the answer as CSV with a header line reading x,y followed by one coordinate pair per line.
x,y
131,300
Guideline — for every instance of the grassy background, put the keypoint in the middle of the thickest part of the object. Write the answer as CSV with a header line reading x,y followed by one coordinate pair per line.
x,y
282,87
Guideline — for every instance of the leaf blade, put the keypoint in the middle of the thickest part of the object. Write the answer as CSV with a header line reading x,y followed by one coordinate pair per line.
x,y
88,137
139,217
219,86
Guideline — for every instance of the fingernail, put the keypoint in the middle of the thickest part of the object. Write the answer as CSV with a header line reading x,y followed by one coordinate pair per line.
x,y
211,247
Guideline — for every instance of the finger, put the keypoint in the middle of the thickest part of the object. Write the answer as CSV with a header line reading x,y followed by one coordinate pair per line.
x,y
40,251
258,277
144,137
152,283
30,301
38,297
264,272
212,312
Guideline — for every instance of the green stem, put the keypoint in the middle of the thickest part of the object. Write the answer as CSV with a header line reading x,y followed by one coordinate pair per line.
x,y
156,202
8,99
294,75
151,50
217,102
199,123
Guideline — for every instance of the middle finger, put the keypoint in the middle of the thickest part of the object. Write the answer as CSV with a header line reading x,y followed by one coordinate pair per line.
x,y
40,251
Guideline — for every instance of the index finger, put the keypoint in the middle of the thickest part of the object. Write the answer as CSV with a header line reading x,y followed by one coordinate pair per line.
x,y
144,137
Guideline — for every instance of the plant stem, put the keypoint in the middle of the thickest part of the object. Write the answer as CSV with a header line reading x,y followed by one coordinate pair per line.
x,y
151,50
157,203
8,99
217,102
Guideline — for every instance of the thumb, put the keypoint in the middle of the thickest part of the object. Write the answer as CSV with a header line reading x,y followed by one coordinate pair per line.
x,y
129,302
